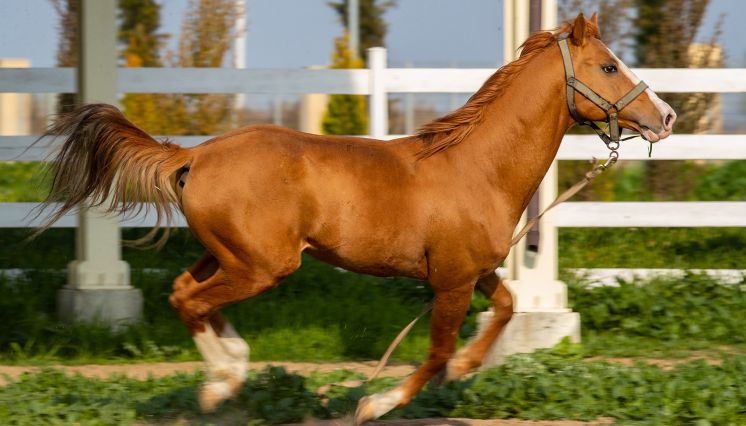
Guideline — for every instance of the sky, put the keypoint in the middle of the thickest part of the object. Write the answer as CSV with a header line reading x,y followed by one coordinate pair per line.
x,y
300,33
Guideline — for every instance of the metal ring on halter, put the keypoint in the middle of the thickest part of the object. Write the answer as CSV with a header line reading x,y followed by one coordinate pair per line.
x,y
612,145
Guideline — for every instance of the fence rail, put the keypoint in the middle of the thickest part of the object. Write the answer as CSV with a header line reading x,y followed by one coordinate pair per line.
x,y
669,214
574,147
377,82
352,81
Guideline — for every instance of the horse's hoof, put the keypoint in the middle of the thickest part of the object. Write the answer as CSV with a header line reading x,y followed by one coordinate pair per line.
x,y
214,393
364,411
376,405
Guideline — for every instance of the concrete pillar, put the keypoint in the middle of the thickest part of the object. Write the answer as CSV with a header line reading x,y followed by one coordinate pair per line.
x,y
541,316
98,287
378,109
311,113
312,109
15,108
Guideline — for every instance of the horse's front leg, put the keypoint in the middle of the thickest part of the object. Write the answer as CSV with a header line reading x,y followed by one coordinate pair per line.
x,y
449,309
472,355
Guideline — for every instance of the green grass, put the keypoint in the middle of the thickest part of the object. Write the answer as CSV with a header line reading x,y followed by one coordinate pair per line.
x,y
553,384
320,313
681,248
323,314
678,248
22,181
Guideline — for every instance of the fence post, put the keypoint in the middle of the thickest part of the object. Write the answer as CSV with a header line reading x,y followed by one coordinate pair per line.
x,y
98,287
378,111
541,317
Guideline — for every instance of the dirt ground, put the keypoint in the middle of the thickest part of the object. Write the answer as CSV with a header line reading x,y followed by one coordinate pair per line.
x,y
161,369
458,422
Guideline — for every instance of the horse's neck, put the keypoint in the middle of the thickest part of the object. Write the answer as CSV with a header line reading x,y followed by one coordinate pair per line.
x,y
522,132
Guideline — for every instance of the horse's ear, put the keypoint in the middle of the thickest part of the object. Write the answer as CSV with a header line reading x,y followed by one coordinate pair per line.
x,y
579,33
594,21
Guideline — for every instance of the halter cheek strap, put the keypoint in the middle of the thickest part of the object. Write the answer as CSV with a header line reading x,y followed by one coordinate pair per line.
x,y
611,109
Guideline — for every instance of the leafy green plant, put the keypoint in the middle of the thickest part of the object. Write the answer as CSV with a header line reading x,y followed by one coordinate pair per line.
x,y
548,386
695,307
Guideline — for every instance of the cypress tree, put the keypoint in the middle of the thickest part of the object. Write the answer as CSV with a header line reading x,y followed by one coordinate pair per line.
x,y
345,114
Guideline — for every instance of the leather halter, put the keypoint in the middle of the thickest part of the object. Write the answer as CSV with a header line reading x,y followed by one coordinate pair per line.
x,y
611,109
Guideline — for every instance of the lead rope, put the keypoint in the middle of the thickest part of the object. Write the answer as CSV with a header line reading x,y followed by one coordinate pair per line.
x,y
596,170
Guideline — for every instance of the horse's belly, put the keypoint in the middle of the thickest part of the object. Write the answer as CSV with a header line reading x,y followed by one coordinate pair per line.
x,y
374,262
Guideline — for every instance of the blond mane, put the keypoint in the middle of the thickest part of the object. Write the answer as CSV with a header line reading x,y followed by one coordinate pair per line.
x,y
454,127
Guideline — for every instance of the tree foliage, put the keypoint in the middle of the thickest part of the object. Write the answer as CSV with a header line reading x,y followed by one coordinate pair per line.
x,y
665,32
140,47
613,19
345,114
662,34
206,35
373,27
139,23
67,45
207,32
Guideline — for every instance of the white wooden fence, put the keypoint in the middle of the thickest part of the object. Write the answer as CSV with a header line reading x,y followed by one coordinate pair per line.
x,y
377,81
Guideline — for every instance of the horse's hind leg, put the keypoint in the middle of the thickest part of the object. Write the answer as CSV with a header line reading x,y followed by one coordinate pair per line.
x,y
223,349
472,355
197,304
449,309
226,355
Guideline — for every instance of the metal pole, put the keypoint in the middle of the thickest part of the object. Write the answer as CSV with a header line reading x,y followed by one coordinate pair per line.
x,y
353,26
533,238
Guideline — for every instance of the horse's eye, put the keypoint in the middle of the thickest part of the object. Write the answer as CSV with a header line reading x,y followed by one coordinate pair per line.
x,y
609,69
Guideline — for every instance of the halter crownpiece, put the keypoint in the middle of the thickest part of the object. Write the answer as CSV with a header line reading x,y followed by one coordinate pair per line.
x,y
611,109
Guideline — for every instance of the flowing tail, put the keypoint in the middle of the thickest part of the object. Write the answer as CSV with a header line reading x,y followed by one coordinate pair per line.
x,y
107,161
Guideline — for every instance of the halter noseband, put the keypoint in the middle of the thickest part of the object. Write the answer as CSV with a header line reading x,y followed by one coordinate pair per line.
x,y
611,109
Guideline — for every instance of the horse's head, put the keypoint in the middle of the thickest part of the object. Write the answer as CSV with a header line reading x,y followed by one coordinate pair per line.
x,y
598,68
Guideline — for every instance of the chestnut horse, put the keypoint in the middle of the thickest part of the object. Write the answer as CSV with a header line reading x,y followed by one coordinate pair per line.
x,y
439,206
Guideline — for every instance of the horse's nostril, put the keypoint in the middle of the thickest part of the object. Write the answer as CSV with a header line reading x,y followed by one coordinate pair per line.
x,y
668,121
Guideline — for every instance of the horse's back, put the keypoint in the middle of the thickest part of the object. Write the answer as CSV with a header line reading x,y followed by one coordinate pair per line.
x,y
326,191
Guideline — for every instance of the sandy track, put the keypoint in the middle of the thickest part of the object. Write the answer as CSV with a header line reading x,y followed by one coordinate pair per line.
x,y
160,369
458,422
